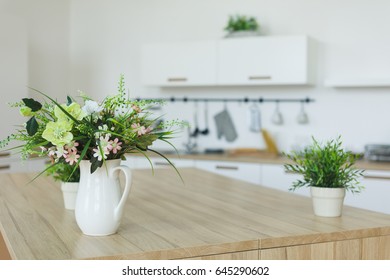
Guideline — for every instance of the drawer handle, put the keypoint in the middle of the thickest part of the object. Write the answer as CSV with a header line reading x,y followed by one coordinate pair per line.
x,y
376,177
161,163
5,167
178,79
251,78
290,172
224,167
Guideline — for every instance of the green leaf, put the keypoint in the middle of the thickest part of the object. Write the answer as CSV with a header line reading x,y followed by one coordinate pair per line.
x,y
32,104
32,126
95,164
69,100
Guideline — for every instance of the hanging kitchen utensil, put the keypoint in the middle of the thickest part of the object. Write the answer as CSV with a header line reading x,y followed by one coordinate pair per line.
x,y
277,117
302,117
254,118
225,126
196,130
206,131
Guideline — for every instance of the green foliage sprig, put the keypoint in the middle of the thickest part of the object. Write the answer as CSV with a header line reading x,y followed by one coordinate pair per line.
x,y
325,166
64,172
241,23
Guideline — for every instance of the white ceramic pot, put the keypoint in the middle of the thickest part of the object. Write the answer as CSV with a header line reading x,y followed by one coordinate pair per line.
x,y
100,203
69,193
327,202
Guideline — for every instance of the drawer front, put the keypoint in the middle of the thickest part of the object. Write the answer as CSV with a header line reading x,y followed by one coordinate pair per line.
x,y
242,171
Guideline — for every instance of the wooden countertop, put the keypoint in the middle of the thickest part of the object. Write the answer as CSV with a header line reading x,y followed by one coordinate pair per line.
x,y
165,219
268,159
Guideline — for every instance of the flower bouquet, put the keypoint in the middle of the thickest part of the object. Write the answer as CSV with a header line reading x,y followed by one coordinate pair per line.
x,y
89,130
88,135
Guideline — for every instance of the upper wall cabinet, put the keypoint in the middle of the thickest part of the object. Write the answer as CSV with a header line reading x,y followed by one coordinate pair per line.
x,y
263,61
180,64
279,60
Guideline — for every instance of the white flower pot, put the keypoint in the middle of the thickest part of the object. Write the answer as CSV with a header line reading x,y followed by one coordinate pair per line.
x,y
327,202
69,192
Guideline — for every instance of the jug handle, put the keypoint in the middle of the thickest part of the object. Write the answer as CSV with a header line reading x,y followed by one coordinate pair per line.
x,y
128,182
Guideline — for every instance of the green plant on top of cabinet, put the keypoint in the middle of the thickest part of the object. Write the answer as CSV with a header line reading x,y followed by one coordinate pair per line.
x,y
329,171
239,23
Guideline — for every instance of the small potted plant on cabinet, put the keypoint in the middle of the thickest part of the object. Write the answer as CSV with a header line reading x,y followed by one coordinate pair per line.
x,y
329,171
69,178
239,26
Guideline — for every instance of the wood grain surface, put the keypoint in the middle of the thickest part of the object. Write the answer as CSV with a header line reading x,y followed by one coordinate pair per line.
x,y
209,215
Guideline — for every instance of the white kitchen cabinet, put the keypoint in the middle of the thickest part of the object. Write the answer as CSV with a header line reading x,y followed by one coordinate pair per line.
x,y
248,172
14,164
179,64
376,195
274,176
140,162
270,60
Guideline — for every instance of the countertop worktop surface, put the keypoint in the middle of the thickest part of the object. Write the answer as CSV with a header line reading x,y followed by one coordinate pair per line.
x,y
265,158
166,219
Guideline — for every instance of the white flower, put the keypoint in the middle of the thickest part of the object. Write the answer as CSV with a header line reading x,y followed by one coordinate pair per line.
x,y
102,133
91,107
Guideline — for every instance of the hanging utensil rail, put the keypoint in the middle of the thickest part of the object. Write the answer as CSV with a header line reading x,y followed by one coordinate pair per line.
x,y
245,99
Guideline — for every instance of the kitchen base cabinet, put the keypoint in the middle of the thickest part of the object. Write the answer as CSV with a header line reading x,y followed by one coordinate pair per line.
x,y
274,176
376,195
245,255
376,248
4,254
139,162
248,172
372,248
16,165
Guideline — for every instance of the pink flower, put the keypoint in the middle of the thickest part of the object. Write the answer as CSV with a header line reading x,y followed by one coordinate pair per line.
x,y
72,146
115,145
72,157
136,108
141,130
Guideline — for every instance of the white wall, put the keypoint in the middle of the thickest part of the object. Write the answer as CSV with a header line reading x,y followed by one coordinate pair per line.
x,y
46,24
352,36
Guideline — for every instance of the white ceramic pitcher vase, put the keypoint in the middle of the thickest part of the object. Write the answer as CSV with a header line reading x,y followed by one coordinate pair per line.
x,y
100,201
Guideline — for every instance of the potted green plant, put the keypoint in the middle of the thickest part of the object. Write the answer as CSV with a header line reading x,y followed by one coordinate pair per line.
x,y
239,25
329,171
69,179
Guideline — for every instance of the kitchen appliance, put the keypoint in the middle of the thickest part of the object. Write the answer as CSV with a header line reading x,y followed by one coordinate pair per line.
x,y
377,152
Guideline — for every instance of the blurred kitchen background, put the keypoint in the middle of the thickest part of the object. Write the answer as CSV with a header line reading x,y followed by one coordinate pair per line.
x,y
63,46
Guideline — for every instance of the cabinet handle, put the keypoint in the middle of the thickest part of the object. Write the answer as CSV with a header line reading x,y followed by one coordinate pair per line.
x,y
224,167
161,163
5,167
376,177
5,154
259,78
177,79
290,172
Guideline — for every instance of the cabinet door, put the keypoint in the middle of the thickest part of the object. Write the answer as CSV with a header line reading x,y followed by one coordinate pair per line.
x,y
140,162
274,176
179,64
376,194
263,60
248,172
